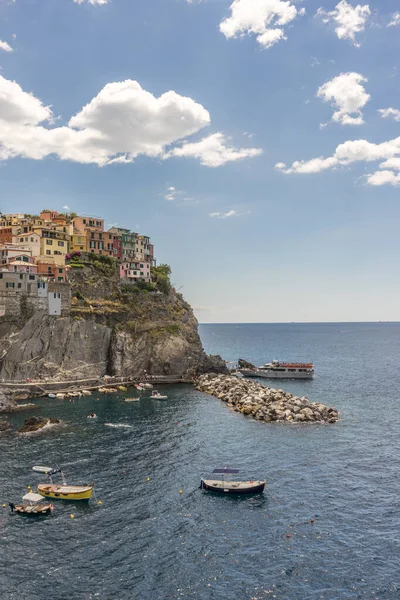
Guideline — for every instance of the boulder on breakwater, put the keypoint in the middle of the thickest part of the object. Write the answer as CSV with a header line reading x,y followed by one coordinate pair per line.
x,y
263,403
37,423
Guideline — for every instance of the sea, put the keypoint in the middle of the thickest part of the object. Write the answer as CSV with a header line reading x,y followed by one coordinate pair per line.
x,y
327,526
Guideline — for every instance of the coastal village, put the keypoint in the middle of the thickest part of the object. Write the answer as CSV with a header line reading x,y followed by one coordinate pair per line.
x,y
38,251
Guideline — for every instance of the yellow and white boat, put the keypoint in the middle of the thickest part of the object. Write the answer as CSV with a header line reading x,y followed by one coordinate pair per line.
x,y
65,492
61,491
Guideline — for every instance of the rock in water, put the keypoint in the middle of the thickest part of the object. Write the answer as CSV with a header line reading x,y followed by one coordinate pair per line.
x,y
5,426
243,364
7,404
262,403
36,423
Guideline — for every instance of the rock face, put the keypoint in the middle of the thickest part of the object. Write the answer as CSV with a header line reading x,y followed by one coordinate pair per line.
x,y
36,423
7,404
114,330
265,404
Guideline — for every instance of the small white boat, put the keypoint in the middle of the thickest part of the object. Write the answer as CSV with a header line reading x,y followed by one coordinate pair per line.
x,y
41,469
86,393
148,386
132,400
157,396
92,416
60,396
51,396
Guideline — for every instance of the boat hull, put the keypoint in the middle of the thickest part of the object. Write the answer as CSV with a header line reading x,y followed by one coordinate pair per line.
x,y
62,492
276,374
228,489
40,510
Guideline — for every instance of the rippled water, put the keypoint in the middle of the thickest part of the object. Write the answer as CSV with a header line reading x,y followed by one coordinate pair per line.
x,y
147,541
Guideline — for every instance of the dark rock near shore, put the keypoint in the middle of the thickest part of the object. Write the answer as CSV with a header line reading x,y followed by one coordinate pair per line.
x,y
37,423
243,364
265,404
5,426
7,403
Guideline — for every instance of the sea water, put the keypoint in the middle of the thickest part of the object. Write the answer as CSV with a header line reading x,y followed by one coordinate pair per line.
x,y
326,527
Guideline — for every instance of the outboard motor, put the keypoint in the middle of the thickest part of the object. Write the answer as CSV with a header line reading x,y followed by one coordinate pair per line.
x,y
12,506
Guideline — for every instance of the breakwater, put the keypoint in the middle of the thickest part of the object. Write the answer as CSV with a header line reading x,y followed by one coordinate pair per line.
x,y
263,403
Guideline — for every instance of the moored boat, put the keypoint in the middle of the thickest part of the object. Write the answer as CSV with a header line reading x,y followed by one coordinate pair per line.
x,y
61,491
32,505
280,370
155,395
225,486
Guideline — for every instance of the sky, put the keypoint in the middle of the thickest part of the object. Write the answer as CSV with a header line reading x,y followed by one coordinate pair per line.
x,y
257,142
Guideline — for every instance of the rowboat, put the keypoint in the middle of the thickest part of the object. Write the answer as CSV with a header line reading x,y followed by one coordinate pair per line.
x,y
132,399
231,487
31,506
122,388
61,491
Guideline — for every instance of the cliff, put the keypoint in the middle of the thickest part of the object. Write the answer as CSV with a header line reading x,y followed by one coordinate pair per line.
x,y
113,329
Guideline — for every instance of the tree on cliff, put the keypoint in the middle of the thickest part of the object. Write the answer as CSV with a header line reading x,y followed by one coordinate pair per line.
x,y
161,277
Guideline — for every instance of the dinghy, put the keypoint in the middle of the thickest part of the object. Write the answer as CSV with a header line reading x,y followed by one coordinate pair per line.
x,y
155,395
227,486
32,505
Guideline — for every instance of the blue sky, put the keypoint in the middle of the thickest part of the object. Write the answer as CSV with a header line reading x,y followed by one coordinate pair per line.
x,y
297,242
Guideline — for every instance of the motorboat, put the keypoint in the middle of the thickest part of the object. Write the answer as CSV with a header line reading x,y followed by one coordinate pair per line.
x,y
148,386
32,505
86,393
132,400
280,370
139,387
92,416
61,491
228,486
51,396
122,388
155,395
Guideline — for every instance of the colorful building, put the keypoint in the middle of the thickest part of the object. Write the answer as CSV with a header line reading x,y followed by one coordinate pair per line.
x,y
83,223
49,269
54,244
135,271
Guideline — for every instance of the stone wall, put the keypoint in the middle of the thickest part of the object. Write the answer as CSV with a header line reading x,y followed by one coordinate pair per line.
x,y
15,306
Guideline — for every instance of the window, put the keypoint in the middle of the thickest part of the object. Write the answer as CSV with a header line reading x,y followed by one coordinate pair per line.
x,y
55,295
134,272
61,243
21,276
84,221
41,285
49,269
141,272
60,270
141,266
49,242
1,275
92,235
21,239
48,251
32,277
92,244
57,252
20,285
100,236
32,240
10,285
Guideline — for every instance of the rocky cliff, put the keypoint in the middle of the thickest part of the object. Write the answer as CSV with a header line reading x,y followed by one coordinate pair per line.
x,y
112,329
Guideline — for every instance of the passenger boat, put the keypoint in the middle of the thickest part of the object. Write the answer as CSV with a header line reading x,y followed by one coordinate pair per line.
x,y
280,370
155,395
32,506
225,486
61,491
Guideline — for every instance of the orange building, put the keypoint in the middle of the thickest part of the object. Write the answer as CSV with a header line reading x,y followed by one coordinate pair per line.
x,y
82,224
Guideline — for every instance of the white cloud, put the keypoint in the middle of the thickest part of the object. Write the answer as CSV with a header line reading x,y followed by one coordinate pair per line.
x,y
395,22
387,113
213,151
356,151
227,215
66,207
6,47
347,95
93,2
122,122
349,20
264,18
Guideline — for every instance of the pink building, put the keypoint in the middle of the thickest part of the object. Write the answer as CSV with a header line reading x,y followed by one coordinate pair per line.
x,y
135,271
16,259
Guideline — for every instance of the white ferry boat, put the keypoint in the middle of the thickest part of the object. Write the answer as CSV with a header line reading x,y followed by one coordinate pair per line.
x,y
281,370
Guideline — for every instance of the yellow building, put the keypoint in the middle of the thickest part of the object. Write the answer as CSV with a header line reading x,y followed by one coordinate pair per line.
x,y
78,243
54,244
